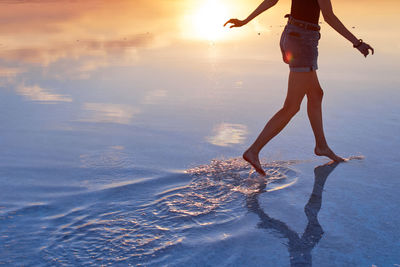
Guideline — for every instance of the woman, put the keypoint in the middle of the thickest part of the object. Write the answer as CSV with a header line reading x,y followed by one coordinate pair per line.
x,y
299,46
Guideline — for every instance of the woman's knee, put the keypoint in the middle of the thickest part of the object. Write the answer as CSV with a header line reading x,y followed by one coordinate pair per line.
x,y
319,93
290,109
315,95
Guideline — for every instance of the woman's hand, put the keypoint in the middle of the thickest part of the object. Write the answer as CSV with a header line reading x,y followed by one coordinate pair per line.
x,y
235,23
364,49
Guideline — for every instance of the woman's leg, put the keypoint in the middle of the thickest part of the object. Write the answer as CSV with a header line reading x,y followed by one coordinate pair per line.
x,y
314,110
297,88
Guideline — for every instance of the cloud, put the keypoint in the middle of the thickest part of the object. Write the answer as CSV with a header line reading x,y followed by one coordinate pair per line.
x,y
43,32
154,97
10,72
45,55
108,113
36,93
227,134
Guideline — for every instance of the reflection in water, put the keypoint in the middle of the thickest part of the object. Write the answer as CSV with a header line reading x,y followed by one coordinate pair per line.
x,y
114,157
36,93
108,113
154,97
132,216
238,84
45,55
299,247
9,72
226,134
43,32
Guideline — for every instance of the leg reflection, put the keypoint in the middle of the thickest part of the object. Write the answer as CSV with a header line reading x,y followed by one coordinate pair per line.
x,y
299,247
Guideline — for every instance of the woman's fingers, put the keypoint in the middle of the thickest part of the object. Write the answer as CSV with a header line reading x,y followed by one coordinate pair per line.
x,y
229,21
364,49
235,23
367,48
370,48
366,52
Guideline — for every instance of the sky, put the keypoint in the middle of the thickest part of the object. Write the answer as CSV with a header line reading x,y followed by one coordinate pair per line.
x,y
64,44
45,32
71,40
170,65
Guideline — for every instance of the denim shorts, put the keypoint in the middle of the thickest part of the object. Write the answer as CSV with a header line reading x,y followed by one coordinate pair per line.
x,y
299,47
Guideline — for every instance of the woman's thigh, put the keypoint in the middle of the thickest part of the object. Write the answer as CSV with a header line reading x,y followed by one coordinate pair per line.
x,y
298,85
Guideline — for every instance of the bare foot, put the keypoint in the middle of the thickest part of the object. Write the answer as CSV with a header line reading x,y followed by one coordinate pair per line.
x,y
252,158
328,153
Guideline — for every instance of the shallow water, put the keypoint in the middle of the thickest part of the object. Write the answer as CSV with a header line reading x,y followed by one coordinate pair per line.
x,y
221,213
120,144
136,221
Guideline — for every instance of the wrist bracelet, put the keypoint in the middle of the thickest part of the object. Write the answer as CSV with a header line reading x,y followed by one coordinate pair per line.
x,y
360,43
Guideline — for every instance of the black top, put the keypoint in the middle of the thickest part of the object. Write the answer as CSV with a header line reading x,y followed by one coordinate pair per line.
x,y
307,10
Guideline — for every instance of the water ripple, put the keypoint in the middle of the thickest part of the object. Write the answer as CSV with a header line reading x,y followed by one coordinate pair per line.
x,y
110,227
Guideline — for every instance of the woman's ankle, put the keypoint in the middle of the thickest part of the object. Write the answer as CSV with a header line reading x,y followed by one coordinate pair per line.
x,y
252,150
322,146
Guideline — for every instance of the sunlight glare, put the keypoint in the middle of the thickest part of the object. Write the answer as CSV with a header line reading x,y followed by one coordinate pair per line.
x,y
208,20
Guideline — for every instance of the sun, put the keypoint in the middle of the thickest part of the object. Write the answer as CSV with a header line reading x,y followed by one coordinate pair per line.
x,y
208,20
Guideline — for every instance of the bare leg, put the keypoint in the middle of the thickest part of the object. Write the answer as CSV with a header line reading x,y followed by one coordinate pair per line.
x,y
314,110
297,88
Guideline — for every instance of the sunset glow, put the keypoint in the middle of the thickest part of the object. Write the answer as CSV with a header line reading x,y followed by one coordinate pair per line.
x,y
126,127
207,21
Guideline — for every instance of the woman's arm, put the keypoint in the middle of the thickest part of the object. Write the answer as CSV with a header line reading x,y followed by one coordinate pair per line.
x,y
335,23
266,4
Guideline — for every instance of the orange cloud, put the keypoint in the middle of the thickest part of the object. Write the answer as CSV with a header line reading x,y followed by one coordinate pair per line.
x,y
46,55
42,32
108,113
